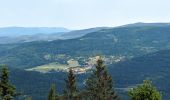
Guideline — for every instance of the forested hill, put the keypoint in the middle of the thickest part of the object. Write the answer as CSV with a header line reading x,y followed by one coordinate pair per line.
x,y
154,66
123,41
35,84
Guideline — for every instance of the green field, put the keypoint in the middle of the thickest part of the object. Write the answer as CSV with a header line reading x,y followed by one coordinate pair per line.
x,y
50,67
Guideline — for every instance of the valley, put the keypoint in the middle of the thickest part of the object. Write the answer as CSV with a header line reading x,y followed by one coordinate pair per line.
x,y
86,64
131,53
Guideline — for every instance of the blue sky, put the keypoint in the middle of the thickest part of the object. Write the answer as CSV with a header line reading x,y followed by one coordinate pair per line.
x,y
79,14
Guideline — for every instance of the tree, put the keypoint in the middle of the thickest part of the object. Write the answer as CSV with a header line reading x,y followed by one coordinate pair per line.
x,y
71,92
52,93
99,85
145,91
7,90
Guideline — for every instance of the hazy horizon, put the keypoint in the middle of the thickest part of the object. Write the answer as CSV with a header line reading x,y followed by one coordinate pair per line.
x,y
82,28
79,14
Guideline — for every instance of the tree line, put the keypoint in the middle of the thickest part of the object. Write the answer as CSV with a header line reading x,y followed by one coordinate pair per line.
x,y
98,86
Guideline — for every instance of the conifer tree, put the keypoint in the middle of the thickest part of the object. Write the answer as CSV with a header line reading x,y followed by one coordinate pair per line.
x,y
145,91
52,93
71,92
7,90
99,85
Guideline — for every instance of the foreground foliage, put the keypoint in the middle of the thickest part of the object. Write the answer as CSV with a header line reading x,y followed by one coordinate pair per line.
x,y
52,93
70,92
145,91
99,85
7,90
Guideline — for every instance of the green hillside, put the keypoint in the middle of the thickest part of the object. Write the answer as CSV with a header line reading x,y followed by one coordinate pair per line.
x,y
122,41
154,66
126,74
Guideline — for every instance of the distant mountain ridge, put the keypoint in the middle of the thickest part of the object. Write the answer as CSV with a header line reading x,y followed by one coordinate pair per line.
x,y
42,34
80,33
141,24
20,31
10,35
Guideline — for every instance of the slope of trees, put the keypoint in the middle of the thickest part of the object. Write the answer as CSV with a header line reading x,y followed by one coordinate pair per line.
x,y
99,86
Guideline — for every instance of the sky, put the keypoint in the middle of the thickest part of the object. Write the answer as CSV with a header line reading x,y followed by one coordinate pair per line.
x,y
80,14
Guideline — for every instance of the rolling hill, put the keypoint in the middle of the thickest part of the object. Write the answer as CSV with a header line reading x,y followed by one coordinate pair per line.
x,y
128,42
